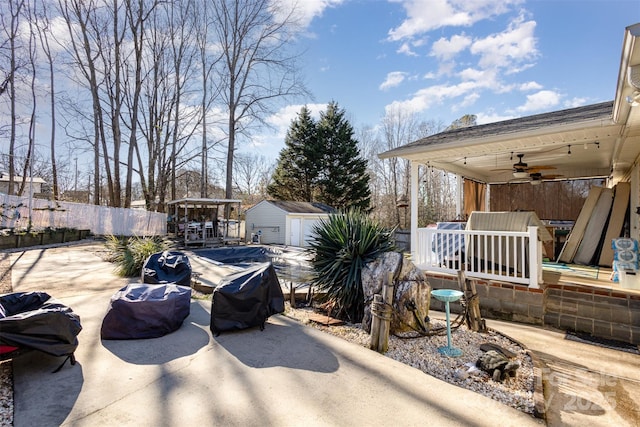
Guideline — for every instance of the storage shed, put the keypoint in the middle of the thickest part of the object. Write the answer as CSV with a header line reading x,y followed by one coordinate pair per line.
x,y
284,222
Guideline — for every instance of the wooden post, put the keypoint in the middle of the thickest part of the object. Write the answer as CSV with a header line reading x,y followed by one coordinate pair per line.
x,y
292,295
381,316
375,322
473,317
385,323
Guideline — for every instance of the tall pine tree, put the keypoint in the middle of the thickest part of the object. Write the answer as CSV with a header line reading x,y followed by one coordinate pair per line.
x,y
297,169
344,181
321,163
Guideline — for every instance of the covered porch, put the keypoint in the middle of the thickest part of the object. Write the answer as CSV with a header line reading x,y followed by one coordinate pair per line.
x,y
544,152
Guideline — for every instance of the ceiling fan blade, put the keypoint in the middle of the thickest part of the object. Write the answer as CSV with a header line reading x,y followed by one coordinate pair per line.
x,y
534,169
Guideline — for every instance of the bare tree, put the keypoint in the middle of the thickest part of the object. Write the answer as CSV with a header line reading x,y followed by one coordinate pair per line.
x,y
399,127
85,31
208,57
249,175
44,33
10,49
257,67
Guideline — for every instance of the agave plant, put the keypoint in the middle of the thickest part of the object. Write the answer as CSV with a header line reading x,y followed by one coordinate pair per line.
x,y
342,245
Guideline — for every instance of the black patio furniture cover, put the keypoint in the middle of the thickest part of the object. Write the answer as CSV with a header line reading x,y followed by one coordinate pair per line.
x,y
142,310
246,299
167,267
37,321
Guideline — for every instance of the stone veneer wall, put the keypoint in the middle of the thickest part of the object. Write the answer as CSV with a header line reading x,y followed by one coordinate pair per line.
x,y
600,312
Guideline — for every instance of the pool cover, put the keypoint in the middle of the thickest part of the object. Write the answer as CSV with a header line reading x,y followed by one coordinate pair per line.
x,y
237,254
246,299
37,321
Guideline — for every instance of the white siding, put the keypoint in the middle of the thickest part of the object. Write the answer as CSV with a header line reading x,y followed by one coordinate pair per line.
x,y
268,219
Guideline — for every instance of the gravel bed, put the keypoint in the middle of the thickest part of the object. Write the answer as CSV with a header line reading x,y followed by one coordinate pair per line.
x,y
422,353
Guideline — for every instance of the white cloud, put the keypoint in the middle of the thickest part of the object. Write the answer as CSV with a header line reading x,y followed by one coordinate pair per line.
x,y
427,15
305,10
282,119
448,48
472,74
468,100
542,100
508,49
575,102
405,48
491,117
527,86
393,79
435,95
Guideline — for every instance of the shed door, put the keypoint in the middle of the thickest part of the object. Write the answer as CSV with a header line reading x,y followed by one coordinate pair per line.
x,y
308,231
294,232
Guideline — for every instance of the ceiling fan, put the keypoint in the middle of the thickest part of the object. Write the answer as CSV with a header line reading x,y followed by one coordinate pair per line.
x,y
522,170
536,177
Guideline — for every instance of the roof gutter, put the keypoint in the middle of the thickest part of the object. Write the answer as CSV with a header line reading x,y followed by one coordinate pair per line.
x,y
629,61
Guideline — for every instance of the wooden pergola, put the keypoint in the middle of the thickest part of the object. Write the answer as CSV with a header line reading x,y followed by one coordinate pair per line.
x,y
205,221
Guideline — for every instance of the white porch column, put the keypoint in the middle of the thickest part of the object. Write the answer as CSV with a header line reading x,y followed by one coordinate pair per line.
x,y
414,208
535,258
634,231
459,196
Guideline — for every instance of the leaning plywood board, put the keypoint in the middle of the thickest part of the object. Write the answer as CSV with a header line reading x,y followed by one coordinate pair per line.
x,y
616,222
595,229
577,232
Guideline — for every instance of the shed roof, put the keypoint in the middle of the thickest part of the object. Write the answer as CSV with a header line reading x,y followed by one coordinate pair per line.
x,y
301,207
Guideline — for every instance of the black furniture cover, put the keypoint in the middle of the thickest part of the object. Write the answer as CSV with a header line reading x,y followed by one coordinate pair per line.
x,y
142,310
246,299
37,321
167,267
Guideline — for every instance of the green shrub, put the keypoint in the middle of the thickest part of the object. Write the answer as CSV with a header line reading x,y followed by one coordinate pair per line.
x,y
130,253
343,244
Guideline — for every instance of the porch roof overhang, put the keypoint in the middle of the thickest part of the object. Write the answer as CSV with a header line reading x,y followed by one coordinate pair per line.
x,y
599,140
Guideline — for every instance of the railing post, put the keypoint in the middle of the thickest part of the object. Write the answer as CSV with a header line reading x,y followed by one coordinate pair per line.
x,y
535,258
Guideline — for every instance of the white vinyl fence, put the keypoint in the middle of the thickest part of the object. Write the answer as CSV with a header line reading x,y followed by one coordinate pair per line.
x,y
100,220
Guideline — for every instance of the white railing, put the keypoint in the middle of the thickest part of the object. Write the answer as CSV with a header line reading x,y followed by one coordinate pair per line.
x,y
508,256
100,220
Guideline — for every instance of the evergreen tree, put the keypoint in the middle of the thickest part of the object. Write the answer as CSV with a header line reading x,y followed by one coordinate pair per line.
x,y
298,163
321,162
344,181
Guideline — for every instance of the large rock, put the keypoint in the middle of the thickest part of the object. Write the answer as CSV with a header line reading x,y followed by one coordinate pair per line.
x,y
410,290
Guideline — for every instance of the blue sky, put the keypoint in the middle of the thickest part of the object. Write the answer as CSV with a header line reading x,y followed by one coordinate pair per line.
x,y
442,59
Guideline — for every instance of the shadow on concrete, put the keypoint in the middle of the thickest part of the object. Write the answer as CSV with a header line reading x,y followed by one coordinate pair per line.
x,y
36,371
191,337
288,346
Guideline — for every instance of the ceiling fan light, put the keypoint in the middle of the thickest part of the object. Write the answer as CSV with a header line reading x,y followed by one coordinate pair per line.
x,y
535,182
520,174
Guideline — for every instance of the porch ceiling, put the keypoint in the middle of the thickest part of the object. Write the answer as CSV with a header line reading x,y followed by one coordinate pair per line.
x,y
597,149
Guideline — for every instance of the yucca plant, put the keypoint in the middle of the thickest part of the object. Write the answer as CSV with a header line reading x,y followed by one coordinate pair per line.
x,y
342,245
130,253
